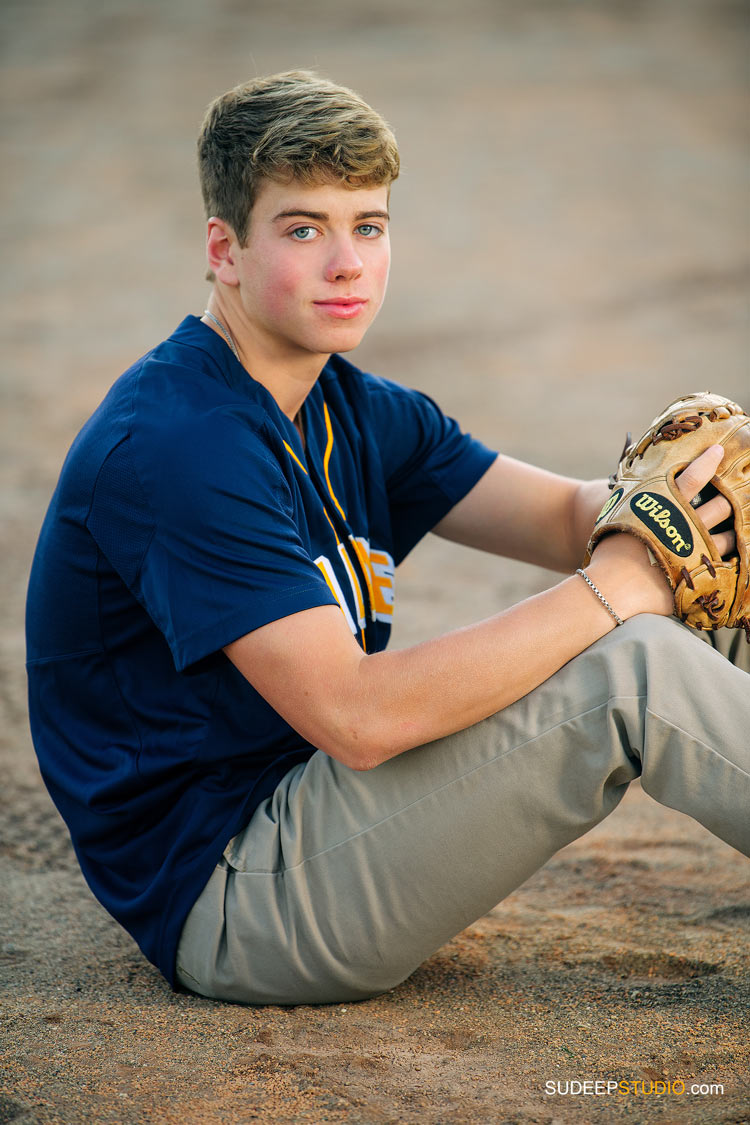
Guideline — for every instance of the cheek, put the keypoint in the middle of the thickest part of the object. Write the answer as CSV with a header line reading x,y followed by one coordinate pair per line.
x,y
381,270
280,287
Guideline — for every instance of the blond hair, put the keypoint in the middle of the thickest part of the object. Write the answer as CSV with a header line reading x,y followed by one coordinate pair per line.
x,y
290,126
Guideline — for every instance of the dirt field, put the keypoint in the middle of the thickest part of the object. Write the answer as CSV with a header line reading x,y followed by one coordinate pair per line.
x,y
572,244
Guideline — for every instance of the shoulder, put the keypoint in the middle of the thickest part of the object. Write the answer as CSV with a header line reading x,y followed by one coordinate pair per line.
x,y
180,416
178,384
193,407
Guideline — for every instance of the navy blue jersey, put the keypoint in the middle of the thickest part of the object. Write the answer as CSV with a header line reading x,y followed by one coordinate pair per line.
x,y
187,514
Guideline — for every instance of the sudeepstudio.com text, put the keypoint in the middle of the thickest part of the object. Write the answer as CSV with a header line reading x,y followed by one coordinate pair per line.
x,y
632,1087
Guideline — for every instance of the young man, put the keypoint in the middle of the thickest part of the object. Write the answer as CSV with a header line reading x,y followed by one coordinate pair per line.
x,y
277,809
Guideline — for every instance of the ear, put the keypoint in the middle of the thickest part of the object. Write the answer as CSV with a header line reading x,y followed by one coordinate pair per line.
x,y
220,244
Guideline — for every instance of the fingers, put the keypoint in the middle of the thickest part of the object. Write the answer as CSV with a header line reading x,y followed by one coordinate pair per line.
x,y
695,477
699,472
724,542
714,511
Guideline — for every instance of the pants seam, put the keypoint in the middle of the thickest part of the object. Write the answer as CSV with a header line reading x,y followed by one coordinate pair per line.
x,y
439,789
696,741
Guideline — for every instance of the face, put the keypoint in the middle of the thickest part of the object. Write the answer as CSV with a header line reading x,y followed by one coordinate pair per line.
x,y
314,271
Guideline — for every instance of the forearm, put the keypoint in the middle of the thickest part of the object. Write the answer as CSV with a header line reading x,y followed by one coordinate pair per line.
x,y
407,698
454,681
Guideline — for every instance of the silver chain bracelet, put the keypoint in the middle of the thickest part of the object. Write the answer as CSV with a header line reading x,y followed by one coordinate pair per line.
x,y
600,596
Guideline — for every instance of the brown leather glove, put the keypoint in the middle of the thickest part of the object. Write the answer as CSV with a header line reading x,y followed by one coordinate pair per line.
x,y
709,592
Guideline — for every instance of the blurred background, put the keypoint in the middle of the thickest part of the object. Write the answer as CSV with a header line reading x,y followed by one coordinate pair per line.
x,y
571,243
570,230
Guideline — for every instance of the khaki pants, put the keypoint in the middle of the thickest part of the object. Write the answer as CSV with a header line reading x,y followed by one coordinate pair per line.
x,y
344,882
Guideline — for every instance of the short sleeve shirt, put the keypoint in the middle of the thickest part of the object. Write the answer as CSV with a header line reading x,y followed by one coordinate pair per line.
x,y
187,514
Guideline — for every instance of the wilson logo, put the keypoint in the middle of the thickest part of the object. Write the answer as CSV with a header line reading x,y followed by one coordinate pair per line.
x,y
614,499
670,528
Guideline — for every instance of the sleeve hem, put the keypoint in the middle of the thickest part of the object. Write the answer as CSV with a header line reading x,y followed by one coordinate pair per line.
x,y
476,465
205,642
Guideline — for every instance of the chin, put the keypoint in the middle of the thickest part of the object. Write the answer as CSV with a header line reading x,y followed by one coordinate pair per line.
x,y
348,347
340,342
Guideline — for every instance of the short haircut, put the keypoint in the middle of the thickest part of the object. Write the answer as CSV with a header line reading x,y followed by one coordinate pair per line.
x,y
290,126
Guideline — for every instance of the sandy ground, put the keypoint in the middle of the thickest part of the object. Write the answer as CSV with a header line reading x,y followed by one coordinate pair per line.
x,y
571,245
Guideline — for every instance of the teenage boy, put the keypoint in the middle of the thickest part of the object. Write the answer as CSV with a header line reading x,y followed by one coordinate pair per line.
x,y
278,810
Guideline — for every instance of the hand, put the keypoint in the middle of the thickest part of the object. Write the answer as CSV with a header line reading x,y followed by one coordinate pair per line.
x,y
620,562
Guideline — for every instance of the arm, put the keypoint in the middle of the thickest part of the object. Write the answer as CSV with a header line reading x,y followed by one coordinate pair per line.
x,y
526,513
364,709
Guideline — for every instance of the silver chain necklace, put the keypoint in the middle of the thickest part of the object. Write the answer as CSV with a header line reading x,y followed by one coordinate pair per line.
x,y
227,336
225,333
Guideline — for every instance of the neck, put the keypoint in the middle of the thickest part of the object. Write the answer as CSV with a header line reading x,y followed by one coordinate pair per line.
x,y
288,378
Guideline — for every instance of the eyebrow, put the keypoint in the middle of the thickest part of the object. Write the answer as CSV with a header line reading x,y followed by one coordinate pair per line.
x,y
323,216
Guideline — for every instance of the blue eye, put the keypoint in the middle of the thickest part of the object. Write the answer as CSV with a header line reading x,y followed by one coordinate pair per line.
x,y
304,234
369,230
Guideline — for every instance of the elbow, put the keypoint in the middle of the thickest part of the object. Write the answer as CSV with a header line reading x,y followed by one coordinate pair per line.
x,y
362,764
354,758
376,739
360,729
358,747
356,753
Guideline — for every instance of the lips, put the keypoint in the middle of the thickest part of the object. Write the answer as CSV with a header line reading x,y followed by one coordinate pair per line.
x,y
345,308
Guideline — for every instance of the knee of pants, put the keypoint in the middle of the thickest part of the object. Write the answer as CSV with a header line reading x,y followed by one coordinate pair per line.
x,y
649,644
656,631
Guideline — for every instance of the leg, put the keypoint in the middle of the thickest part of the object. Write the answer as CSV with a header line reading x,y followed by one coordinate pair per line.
x,y
731,643
344,882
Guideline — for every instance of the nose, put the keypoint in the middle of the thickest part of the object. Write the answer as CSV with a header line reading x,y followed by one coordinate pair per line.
x,y
344,262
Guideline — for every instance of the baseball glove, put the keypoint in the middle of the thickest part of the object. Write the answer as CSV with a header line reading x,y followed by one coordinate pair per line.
x,y
709,592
